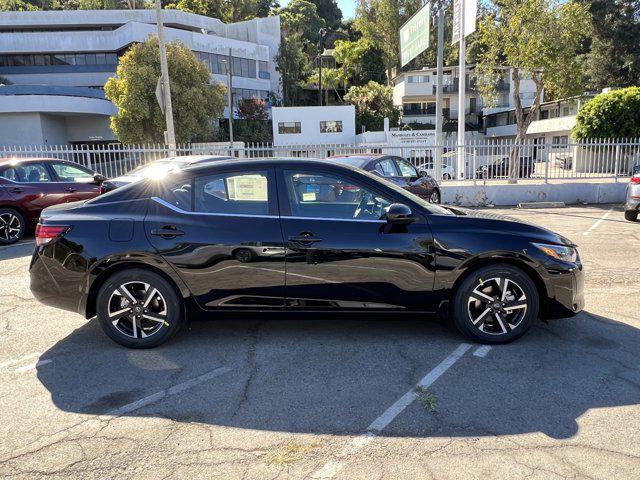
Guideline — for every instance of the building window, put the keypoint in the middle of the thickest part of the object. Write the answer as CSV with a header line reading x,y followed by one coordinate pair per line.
x,y
289,128
58,59
263,70
331,126
560,141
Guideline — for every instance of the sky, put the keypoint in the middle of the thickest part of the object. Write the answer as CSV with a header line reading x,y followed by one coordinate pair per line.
x,y
348,7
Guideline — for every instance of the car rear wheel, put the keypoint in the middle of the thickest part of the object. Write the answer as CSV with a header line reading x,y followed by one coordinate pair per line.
x,y
12,226
446,176
139,309
495,304
631,215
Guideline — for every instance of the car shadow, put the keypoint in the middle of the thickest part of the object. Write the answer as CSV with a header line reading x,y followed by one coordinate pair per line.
x,y
336,376
16,250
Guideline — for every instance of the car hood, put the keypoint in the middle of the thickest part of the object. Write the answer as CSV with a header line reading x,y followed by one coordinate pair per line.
x,y
484,220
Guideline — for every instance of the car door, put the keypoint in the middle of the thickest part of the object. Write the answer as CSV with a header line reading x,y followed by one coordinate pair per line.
x,y
75,181
341,252
221,232
31,186
413,182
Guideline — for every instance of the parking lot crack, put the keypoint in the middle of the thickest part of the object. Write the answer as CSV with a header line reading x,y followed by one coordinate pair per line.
x,y
252,365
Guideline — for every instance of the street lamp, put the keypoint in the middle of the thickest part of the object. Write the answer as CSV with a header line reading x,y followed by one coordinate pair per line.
x,y
229,64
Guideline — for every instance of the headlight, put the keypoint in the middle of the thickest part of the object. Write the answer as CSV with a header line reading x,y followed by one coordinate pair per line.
x,y
559,252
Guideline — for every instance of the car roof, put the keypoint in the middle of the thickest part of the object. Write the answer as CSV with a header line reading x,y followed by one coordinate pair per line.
x,y
15,160
266,162
192,158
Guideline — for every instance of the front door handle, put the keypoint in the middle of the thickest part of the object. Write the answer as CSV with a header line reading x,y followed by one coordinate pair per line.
x,y
70,190
167,232
16,190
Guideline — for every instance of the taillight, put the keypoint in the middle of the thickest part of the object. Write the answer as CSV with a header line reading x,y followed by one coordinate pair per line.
x,y
46,233
103,189
635,179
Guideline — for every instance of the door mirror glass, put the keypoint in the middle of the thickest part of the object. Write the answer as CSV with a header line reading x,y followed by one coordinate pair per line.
x,y
399,214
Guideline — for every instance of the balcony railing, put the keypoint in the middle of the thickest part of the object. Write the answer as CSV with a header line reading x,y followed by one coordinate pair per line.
x,y
425,112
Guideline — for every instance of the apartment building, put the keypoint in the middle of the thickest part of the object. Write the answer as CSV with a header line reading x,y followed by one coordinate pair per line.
x,y
415,93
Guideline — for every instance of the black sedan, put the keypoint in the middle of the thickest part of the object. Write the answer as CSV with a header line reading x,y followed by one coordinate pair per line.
x,y
322,237
397,170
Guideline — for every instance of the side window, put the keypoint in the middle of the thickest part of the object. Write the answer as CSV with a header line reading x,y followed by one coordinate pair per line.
x,y
406,169
328,196
178,194
244,193
11,174
386,168
33,173
71,173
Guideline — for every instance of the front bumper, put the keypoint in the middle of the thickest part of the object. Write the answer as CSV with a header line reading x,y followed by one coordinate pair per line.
x,y
566,292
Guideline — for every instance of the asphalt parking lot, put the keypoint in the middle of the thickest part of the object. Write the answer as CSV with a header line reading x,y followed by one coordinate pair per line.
x,y
355,398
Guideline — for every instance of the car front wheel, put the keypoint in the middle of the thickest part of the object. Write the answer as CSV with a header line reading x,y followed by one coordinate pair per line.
x,y
435,197
139,309
495,304
12,226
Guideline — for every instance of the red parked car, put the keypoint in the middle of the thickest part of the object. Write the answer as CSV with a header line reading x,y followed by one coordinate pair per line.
x,y
28,185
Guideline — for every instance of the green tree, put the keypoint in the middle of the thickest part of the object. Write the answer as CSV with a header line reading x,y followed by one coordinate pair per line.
x,y
252,109
28,5
380,21
373,103
293,65
330,12
361,61
196,103
209,8
301,18
615,114
539,39
613,59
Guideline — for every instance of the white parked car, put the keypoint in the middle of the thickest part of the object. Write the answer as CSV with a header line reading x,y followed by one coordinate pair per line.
x,y
429,168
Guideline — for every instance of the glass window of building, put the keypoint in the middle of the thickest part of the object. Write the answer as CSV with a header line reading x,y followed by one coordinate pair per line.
x,y
289,127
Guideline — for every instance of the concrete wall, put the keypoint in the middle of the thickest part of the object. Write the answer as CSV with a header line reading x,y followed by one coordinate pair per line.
x,y
310,118
20,129
469,195
86,128
54,129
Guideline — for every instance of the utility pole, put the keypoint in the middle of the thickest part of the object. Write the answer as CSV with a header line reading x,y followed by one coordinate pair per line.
x,y
170,134
439,99
322,33
230,99
462,94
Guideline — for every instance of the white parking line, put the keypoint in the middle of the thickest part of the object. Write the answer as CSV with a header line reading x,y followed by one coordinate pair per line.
x,y
482,351
33,366
330,469
598,222
15,361
168,392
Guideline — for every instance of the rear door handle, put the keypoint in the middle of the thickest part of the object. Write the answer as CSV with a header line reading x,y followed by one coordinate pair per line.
x,y
304,239
167,232
16,190
70,190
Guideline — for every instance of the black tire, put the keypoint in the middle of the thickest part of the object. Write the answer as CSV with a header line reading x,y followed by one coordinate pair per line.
x,y
446,176
435,197
493,330
167,306
11,219
631,215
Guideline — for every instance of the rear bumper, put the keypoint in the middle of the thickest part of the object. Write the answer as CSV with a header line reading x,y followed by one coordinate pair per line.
x,y
566,293
632,204
55,286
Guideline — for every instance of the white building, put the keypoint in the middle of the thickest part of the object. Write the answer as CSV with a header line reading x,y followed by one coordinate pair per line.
x,y
59,62
414,93
329,125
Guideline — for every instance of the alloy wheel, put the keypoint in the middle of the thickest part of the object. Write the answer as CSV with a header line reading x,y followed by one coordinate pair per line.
x,y
137,310
497,306
9,226
435,197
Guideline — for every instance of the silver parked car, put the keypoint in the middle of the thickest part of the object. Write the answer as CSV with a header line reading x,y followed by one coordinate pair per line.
x,y
633,196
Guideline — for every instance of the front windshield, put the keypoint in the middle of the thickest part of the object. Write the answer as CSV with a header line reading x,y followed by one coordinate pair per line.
x,y
430,207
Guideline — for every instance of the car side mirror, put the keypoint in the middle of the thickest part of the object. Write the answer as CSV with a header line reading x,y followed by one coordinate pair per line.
x,y
399,214
98,178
